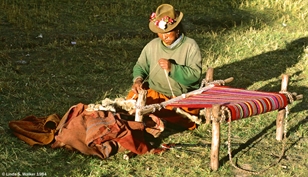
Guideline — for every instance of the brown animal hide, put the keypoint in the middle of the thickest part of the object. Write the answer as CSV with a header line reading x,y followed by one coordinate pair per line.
x,y
99,133
33,130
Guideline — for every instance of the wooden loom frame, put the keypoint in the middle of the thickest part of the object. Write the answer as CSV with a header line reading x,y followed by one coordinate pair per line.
x,y
214,115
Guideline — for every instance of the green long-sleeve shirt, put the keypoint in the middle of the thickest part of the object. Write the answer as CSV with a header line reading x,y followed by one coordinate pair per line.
x,y
186,67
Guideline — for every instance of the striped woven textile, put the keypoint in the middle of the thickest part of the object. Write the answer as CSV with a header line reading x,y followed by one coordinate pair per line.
x,y
242,103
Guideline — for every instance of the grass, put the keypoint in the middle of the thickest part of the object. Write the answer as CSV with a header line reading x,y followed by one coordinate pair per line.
x,y
255,41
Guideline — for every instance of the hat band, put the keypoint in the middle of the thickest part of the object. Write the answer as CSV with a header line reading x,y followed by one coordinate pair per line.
x,y
163,22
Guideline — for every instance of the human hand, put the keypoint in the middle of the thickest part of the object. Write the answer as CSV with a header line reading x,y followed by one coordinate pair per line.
x,y
137,85
164,64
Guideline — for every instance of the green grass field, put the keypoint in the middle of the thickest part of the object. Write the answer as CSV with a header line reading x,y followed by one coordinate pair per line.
x,y
57,53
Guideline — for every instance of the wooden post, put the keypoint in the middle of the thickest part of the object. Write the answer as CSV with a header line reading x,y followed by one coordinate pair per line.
x,y
282,112
209,78
215,137
208,112
140,104
209,75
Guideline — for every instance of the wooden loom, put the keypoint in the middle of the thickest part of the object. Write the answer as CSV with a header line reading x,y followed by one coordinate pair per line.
x,y
229,109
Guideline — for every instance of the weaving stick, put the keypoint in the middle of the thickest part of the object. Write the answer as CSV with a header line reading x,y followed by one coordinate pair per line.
x,y
195,92
151,108
140,104
193,118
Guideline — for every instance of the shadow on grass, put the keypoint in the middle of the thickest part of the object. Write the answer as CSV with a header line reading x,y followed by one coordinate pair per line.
x,y
248,144
267,66
254,140
19,157
294,129
224,18
262,68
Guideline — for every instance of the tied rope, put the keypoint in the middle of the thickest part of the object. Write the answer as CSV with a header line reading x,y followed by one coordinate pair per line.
x,y
225,111
170,87
289,95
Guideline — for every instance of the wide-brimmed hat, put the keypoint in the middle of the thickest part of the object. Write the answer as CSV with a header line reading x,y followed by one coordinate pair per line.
x,y
165,19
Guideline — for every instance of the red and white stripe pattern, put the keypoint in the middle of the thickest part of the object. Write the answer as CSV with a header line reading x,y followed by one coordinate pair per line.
x,y
242,103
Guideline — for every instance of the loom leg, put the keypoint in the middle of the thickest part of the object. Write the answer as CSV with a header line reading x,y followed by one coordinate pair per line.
x,y
209,78
280,124
282,112
140,104
215,138
208,112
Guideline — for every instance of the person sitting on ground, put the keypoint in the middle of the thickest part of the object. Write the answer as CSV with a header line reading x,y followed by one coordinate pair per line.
x,y
168,66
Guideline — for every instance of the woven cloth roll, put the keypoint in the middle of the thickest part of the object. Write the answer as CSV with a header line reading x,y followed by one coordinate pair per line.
x,y
241,103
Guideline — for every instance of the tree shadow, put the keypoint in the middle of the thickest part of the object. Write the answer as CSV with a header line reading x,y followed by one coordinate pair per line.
x,y
264,66
222,16
267,66
248,144
294,129
254,140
